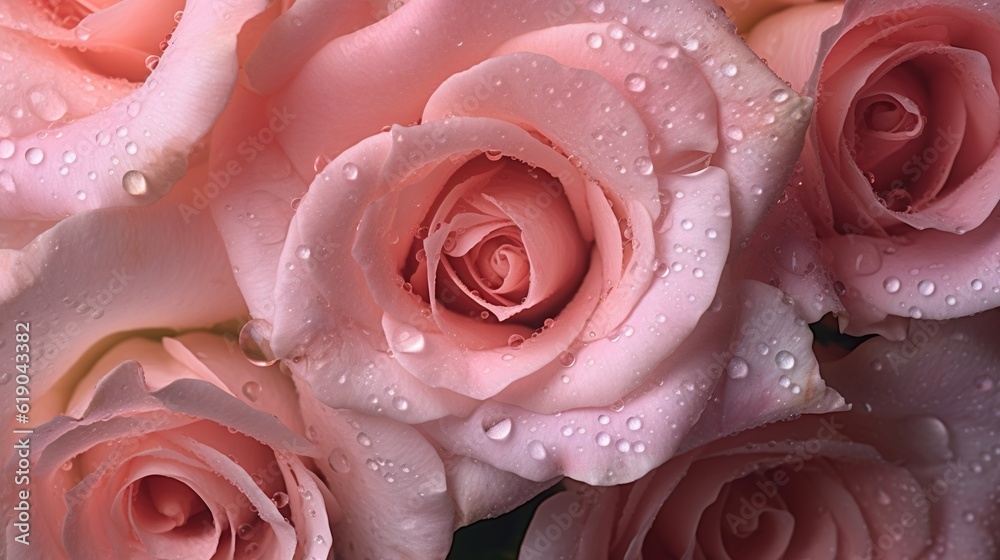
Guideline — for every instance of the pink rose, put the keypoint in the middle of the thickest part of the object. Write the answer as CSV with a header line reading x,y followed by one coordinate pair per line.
x,y
910,472
897,171
511,223
104,272
104,100
199,454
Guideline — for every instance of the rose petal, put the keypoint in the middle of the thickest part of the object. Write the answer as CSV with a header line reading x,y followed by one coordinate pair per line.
x,y
757,166
941,428
121,277
346,111
389,482
176,116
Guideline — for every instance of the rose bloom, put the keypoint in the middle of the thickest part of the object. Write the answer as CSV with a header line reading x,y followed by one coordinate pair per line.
x,y
199,454
911,472
103,101
510,224
898,166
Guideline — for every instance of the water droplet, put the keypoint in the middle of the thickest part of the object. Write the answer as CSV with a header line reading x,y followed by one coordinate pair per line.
x,y
633,423
350,171
135,183
152,61
737,368
131,148
7,148
245,531
280,499
596,6
400,403
785,360
618,405
594,41
47,104
364,440
643,165
499,430
338,461
34,155
635,82
493,155
251,390
687,225
729,69
80,195
567,359
977,285
103,138
67,465
915,312
690,45
515,341
409,340
779,96
603,439
925,287
69,156
891,284
734,132
603,419
784,381
81,33
950,300
537,450
133,108
623,446
255,343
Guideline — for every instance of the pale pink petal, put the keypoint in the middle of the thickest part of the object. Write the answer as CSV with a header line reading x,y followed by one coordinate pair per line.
x,y
757,165
929,402
299,33
577,519
426,49
770,374
175,114
149,259
389,482
481,491
789,39
250,192
951,283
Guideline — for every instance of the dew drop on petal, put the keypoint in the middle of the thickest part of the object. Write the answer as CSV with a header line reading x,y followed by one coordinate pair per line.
x,y
567,359
594,41
338,461
603,439
635,82
251,390
364,440
135,183
537,450
255,343
784,360
350,171
737,368
499,430
34,156
891,284
925,287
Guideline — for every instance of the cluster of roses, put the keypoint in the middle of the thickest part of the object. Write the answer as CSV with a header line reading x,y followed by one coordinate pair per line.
x,y
335,278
